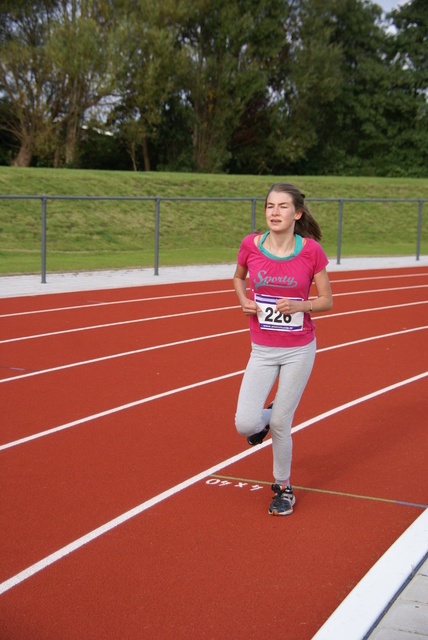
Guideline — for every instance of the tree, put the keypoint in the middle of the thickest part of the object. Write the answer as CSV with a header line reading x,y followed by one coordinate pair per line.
x,y
269,67
309,83
220,40
351,129
53,67
81,50
245,86
27,77
255,140
406,104
148,59
377,126
409,44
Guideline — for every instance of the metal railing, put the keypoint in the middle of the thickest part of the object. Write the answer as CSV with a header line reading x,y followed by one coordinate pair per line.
x,y
158,199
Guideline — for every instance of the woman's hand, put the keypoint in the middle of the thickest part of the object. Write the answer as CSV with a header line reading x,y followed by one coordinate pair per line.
x,y
249,307
288,307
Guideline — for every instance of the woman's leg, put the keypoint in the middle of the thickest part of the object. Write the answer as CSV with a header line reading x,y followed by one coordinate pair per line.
x,y
259,377
296,367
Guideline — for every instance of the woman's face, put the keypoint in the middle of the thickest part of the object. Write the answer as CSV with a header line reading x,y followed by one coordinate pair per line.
x,y
280,211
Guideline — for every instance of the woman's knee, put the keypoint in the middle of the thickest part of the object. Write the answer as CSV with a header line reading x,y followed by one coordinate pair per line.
x,y
245,426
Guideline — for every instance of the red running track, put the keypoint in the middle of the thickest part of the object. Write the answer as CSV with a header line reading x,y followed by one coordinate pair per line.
x,y
131,508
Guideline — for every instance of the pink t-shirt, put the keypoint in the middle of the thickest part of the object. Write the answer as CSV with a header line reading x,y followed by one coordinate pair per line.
x,y
272,277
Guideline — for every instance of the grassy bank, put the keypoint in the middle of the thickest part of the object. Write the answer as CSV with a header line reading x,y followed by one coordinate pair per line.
x,y
101,234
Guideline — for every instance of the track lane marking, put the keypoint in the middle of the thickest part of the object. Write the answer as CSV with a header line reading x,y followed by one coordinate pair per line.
x,y
194,313
351,343
357,615
386,290
112,524
118,324
390,277
189,341
327,491
123,407
96,303
164,394
124,354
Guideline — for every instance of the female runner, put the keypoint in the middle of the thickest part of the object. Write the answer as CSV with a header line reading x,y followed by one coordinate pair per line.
x,y
281,265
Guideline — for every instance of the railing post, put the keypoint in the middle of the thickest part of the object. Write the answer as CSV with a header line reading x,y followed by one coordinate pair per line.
x,y
253,215
418,240
157,225
44,200
339,234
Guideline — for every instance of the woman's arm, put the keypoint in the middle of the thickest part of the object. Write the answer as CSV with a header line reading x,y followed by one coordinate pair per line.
x,y
249,307
323,301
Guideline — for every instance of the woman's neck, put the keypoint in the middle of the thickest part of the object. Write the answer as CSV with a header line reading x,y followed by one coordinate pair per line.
x,y
280,245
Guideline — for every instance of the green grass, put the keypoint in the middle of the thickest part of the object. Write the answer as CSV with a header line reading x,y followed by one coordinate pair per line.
x,y
86,235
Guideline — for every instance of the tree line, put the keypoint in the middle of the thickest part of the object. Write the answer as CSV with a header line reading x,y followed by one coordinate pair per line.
x,y
236,86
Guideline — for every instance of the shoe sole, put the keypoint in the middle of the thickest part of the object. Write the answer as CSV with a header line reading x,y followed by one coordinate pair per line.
x,y
254,444
280,513
259,440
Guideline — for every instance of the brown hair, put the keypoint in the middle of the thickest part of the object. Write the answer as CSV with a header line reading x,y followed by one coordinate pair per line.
x,y
306,226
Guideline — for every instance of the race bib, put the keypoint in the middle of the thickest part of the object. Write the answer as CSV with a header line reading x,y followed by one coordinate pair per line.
x,y
271,319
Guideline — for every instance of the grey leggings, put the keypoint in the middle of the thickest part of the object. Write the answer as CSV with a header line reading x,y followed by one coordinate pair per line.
x,y
293,366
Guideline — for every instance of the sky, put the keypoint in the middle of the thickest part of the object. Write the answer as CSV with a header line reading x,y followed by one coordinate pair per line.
x,y
389,5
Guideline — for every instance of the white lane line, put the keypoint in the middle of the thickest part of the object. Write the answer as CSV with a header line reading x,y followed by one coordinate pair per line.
x,y
123,407
112,524
370,339
369,310
74,423
194,313
359,612
118,324
386,290
383,277
123,354
95,304
353,403
189,341
96,533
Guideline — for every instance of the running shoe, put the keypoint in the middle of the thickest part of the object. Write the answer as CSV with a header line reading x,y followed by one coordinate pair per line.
x,y
283,501
257,438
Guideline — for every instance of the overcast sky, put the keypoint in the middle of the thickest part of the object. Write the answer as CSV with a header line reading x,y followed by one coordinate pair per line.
x,y
389,5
